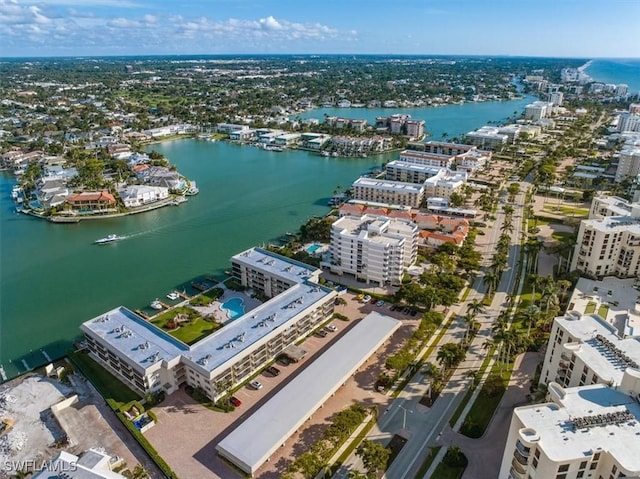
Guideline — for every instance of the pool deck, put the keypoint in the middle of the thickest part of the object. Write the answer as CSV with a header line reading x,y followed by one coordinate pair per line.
x,y
215,307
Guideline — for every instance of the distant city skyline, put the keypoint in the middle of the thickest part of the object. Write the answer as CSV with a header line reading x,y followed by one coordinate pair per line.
x,y
547,28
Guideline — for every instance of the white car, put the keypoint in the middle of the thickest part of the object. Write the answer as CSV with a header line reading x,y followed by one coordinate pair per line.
x,y
366,299
332,328
256,385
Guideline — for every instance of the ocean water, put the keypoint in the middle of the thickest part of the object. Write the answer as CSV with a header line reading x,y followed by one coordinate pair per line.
x,y
617,71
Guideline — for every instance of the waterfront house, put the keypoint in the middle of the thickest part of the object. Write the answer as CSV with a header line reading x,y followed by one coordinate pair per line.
x,y
161,176
51,191
287,139
243,134
92,202
139,195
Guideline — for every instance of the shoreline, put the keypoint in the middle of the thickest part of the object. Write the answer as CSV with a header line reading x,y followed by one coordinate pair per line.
x,y
77,219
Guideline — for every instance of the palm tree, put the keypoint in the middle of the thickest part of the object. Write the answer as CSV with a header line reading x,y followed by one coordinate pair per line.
x,y
534,280
491,279
470,321
500,262
530,316
449,355
475,307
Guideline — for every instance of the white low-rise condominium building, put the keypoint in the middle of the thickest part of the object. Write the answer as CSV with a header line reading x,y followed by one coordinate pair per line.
x,y
593,419
375,249
390,192
609,246
149,359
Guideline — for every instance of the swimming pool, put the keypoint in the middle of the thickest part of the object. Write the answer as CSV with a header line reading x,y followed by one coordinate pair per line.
x,y
234,307
313,248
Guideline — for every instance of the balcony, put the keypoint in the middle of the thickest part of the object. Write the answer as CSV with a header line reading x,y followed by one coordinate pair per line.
x,y
520,468
520,459
565,356
522,449
515,474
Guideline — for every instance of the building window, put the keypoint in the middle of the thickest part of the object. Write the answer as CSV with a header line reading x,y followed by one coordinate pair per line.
x,y
563,468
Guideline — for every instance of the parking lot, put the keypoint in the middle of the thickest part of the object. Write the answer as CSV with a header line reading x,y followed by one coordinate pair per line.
x,y
200,429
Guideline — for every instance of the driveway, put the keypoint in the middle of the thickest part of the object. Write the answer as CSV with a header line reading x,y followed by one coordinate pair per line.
x,y
485,453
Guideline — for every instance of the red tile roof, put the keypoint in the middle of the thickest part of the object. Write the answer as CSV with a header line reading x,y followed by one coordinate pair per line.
x,y
99,196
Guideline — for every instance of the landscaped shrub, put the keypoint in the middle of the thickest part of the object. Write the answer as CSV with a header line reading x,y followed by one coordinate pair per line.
x,y
339,316
455,458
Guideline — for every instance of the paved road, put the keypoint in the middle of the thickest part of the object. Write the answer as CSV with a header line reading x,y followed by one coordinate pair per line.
x,y
422,425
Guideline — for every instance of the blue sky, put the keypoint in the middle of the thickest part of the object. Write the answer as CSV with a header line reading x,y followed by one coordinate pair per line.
x,y
563,28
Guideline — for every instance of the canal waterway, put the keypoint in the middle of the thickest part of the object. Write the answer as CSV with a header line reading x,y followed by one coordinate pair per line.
x,y
53,277
454,120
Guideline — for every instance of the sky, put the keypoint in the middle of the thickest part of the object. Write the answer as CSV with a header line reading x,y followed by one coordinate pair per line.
x,y
550,28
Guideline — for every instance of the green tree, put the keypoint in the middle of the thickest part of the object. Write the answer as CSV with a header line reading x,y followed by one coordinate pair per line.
x,y
475,307
374,456
450,355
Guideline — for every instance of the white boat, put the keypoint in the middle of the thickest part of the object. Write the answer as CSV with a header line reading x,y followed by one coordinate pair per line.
x,y
156,304
108,239
193,189
173,295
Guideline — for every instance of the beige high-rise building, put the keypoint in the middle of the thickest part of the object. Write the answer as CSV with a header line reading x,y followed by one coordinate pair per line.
x,y
610,245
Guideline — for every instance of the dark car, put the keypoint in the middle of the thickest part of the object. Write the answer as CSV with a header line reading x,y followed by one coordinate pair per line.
x,y
321,333
283,361
235,401
274,371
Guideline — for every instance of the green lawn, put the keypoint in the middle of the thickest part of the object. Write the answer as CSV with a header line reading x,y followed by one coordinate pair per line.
x,y
447,472
567,210
603,310
111,388
591,307
195,330
188,332
487,402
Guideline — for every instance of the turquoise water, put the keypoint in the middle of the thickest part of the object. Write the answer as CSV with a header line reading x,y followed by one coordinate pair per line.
x,y
454,120
54,277
313,248
234,307
617,71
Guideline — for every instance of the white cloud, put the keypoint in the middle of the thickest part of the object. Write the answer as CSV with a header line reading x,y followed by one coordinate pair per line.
x,y
65,30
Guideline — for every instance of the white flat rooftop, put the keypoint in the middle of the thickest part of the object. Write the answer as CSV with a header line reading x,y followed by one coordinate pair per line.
x,y
141,342
606,361
277,265
564,442
403,165
251,443
620,298
388,185
145,344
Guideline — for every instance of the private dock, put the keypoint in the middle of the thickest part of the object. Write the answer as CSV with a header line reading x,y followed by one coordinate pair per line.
x,y
201,286
142,314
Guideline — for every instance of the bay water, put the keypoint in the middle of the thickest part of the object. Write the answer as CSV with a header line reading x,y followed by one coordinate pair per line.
x,y
53,277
